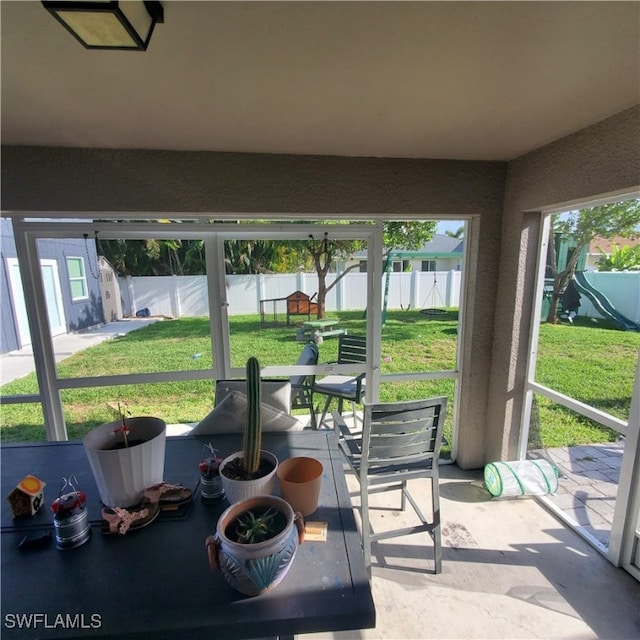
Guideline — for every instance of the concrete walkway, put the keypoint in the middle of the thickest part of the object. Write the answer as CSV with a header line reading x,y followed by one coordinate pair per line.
x,y
17,364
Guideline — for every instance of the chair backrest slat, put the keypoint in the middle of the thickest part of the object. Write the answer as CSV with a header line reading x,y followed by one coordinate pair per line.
x,y
400,428
422,438
403,432
416,450
403,422
420,445
352,349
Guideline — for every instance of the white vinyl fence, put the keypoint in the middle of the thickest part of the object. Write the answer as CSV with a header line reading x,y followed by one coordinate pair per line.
x,y
179,296
622,288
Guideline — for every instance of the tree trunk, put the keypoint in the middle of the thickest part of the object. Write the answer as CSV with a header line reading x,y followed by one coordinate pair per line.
x,y
561,280
321,271
322,295
552,316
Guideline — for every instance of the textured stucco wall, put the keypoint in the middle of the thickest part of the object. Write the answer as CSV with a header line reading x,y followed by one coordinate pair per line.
x,y
478,325
57,179
601,159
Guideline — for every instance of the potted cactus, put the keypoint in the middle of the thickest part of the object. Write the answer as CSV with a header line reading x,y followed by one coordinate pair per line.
x,y
250,472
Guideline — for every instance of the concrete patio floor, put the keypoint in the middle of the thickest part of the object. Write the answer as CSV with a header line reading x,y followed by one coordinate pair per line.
x,y
510,570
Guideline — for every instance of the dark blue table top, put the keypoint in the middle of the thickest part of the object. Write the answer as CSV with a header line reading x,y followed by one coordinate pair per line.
x,y
156,582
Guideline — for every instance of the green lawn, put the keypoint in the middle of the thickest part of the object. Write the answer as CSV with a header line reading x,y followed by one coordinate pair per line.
x,y
592,363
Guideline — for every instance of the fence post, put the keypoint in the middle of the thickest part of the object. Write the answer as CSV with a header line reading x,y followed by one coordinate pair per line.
x,y
414,289
451,279
132,296
259,291
176,310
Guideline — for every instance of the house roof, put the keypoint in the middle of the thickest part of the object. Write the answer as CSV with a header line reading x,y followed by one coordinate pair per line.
x,y
449,80
599,245
441,246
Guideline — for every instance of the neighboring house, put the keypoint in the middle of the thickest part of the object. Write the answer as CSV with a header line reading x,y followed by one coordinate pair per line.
x,y
442,253
69,273
598,246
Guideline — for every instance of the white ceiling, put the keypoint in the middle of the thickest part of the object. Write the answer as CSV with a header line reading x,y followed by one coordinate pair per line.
x,y
465,80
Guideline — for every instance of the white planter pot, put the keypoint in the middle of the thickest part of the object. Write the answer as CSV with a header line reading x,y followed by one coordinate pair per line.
x,y
253,569
237,490
122,474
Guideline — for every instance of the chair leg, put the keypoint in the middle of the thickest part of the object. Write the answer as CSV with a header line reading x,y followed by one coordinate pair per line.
x,y
437,533
324,412
314,420
312,412
403,495
366,527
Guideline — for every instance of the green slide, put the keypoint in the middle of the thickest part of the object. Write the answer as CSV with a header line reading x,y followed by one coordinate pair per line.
x,y
602,303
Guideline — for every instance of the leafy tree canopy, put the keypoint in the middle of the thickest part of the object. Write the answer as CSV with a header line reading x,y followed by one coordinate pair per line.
x,y
607,221
316,253
624,258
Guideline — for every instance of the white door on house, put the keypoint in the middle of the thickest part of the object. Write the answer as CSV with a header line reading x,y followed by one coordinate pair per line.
x,y
53,297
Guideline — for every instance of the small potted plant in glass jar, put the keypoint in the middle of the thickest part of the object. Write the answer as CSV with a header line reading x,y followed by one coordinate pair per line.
x,y
211,489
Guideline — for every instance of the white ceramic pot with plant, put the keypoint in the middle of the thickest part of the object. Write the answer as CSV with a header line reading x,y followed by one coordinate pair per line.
x,y
126,457
252,471
255,543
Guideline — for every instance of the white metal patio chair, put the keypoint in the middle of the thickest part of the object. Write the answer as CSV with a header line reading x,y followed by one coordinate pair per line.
x,y
351,350
399,441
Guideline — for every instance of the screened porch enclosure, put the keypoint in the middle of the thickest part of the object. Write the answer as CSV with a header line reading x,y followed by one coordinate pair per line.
x,y
219,342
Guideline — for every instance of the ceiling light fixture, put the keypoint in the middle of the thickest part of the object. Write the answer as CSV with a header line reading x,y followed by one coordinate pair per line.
x,y
108,25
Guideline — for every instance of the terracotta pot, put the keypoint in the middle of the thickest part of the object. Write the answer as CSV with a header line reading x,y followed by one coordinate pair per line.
x,y
122,474
253,569
237,490
300,480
